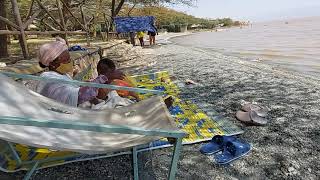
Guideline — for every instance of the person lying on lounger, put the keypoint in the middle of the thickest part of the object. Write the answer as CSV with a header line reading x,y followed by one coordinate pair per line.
x,y
55,56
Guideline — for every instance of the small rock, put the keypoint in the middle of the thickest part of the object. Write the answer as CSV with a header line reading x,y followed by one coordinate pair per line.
x,y
189,82
281,119
173,78
2,64
292,171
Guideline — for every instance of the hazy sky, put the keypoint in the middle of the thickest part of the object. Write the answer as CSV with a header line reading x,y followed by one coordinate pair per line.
x,y
254,10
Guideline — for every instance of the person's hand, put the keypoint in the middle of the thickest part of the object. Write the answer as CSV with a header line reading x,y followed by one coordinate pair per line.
x,y
135,95
94,101
76,70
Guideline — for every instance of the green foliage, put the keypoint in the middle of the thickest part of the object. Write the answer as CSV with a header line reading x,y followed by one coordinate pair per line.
x,y
172,20
99,11
227,22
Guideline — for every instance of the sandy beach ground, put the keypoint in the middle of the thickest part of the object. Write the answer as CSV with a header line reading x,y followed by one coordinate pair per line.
x,y
287,148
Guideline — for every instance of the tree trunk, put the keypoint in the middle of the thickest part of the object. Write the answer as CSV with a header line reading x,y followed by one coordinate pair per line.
x,y
64,36
65,11
113,6
131,9
115,11
22,37
118,8
3,38
85,24
98,11
107,26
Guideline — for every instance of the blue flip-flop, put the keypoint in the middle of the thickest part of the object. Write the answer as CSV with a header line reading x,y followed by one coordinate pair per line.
x,y
233,150
216,144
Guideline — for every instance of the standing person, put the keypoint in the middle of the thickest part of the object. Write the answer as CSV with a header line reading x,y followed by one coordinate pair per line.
x,y
140,36
152,35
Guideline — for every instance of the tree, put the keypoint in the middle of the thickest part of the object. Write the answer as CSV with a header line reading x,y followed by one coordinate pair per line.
x,y
226,22
3,38
115,9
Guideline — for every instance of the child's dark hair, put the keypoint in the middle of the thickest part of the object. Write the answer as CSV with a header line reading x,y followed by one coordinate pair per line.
x,y
42,65
106,62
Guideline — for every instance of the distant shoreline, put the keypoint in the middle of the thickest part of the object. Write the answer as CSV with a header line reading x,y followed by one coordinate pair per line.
x,y
285,19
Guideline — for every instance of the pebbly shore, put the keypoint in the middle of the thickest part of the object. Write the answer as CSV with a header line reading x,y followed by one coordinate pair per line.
x,y
288,147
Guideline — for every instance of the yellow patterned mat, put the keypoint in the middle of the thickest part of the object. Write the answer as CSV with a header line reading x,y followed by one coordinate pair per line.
x,y
188,116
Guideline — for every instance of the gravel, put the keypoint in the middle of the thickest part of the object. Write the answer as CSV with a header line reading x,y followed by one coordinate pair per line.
x,y
287,148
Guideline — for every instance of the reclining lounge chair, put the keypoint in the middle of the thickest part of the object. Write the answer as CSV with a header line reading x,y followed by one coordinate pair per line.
x,y
31,124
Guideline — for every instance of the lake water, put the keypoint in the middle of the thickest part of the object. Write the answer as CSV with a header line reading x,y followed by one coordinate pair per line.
x,y
292,44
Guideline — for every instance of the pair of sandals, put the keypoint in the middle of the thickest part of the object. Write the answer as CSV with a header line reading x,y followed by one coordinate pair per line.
x,y
253,114
226,148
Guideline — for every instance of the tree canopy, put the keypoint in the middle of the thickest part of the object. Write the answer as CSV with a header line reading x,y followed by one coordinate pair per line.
x,y
64,16
98,11
168,18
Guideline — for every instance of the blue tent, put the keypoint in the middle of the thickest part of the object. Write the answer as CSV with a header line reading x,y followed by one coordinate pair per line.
x,y
134,24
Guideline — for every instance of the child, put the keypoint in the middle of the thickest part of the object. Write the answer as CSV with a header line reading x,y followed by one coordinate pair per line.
x,y
116,77
107,67
140,36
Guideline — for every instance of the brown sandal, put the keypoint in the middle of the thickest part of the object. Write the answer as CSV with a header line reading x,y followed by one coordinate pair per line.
x,y
251,118
260,110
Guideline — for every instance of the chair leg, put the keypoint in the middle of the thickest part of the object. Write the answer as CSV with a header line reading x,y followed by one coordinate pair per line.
x,y
175,158
29,174
135,163
15,154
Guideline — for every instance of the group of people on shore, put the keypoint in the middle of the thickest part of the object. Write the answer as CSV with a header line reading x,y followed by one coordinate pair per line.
x,y
152,36
56,58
